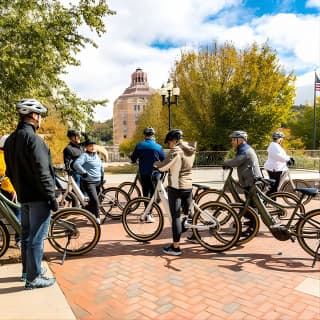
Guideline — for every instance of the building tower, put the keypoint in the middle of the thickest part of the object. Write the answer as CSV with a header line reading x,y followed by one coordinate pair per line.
x,y
128,107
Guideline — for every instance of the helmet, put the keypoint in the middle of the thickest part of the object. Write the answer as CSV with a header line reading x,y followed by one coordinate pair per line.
x,y
175,134
277,135
73,133
88,142
26,106
3,140
239,134
149,132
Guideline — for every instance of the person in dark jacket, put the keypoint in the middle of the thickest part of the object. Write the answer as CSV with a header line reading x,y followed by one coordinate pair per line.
x,y
30,170
71,152
146,153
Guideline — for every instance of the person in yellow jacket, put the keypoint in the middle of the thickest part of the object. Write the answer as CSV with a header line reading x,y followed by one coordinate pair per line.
x,y
6,187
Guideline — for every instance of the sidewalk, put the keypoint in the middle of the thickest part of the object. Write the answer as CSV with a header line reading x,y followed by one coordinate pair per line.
x,y
122,279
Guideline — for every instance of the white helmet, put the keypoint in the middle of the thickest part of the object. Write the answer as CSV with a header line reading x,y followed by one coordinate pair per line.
x,y
26,106
3,140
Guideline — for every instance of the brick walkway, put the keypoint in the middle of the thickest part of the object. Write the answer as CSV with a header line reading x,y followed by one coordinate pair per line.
x,y
122,279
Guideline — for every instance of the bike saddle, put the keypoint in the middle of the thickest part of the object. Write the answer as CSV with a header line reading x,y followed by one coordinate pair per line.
x,y
308,191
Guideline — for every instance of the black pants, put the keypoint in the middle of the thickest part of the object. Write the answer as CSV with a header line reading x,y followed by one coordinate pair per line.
x,y
178,198
92,189
276,175
147,185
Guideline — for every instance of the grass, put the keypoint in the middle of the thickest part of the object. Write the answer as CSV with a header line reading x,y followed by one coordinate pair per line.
x,y
126,168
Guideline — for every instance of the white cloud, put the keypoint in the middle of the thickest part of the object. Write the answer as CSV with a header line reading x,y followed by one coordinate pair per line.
x,y
106,72
313,4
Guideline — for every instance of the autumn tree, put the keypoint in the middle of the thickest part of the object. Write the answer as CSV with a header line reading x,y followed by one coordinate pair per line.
x,y
38,40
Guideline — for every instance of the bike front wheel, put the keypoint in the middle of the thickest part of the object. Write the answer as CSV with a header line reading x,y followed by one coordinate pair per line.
x,y
74,230
112,202
308,233
139,228
4,239
216,227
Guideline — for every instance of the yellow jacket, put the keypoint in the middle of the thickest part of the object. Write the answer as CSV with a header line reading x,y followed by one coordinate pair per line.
x,y
6,183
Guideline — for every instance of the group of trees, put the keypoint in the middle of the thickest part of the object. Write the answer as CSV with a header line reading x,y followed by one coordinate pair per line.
x,y
225,89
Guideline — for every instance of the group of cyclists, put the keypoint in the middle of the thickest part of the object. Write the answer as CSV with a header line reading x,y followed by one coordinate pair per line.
x,y
29,168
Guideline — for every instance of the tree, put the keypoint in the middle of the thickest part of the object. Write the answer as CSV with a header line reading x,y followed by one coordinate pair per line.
x,y
224,89
102,132
39,39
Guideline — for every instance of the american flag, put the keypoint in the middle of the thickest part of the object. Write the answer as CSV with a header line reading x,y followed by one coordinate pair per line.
x,y
317,83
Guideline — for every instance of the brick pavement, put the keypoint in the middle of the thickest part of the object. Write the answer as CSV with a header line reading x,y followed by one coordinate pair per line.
x,y
122,279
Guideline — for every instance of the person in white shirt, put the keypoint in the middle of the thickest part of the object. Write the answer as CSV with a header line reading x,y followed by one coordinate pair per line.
x,y
277,161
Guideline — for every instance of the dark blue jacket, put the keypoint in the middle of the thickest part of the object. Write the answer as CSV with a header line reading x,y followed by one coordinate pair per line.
x,y
147,152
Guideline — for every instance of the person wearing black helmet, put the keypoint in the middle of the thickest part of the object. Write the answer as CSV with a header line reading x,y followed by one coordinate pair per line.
x,y
71,152
30,170
247,164
146,153
277,161
178,163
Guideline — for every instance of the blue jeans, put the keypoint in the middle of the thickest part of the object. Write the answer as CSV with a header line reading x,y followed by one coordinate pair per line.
x,y
35,219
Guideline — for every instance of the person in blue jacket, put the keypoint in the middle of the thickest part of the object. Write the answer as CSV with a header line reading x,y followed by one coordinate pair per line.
x,y
146,153
90,167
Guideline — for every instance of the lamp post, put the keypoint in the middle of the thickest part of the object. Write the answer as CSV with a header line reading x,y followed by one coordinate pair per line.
x,y
167,93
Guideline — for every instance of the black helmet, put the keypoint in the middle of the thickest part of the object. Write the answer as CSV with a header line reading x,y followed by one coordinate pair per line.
x,y
73,133
175,134
277,135
149,131
239,134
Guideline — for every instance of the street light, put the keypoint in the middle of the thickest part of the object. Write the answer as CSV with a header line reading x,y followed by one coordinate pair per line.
x,y
167,92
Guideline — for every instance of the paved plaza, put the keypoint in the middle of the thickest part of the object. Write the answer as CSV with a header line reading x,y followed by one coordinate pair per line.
x,y
122,279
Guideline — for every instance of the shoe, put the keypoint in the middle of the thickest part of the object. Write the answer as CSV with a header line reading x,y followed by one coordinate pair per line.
x,y
18,244
149,218
98,220
192,239
247,233
170,250
42,273
39,282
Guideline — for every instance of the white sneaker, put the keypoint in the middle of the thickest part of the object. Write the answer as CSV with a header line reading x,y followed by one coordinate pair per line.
x,y
98,220
149,218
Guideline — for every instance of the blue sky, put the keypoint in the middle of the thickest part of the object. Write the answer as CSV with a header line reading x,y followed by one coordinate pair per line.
x,y
150,34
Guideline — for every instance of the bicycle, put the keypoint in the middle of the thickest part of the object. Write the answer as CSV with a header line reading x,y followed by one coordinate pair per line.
x,y
72,231
132,189
299,224
215,225
287,184
112,199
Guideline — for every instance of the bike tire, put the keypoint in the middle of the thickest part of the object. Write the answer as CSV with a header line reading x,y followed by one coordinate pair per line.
x,y
112,202
4,239
70,201
287,187
212,195
78,224
246,234
131,189
288,203
308,233
222,237
142,230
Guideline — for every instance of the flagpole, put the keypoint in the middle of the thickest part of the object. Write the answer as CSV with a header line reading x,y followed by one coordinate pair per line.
x,y
314,111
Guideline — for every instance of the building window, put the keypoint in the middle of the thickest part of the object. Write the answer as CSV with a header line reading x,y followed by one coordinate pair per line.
x,y
137,115
136,107
124,116
124,136
136,122
124,122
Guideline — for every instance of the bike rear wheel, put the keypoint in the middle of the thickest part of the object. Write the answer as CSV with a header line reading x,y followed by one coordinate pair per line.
x,y
138,229
308,233
298,183
112,202
4,239
224,235
75,230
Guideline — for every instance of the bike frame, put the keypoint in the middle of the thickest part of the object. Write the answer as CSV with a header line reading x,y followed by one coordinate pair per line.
x,y
161,192
6,206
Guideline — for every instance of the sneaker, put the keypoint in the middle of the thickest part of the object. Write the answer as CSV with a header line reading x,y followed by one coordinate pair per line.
x,y
192,239
149,218
42,273
18,244
98,220
247,233
171,250
39,282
